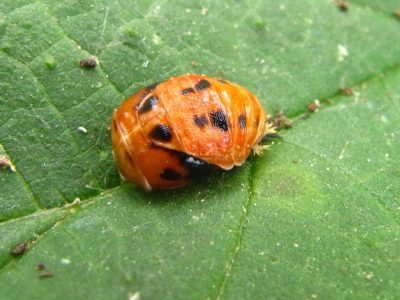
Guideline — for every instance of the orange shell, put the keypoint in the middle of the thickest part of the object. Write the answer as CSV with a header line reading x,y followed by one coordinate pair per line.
x,y
190,119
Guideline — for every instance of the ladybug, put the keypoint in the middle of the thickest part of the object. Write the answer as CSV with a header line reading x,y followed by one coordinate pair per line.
x,y
172,131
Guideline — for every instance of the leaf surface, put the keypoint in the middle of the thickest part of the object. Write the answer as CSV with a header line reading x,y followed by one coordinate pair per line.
x,y
317,216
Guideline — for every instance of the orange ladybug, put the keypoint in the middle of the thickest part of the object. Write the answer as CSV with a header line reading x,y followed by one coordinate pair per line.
x,y
172,131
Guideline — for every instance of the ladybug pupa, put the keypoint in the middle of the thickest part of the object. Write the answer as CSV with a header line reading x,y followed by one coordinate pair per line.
x,y
170,132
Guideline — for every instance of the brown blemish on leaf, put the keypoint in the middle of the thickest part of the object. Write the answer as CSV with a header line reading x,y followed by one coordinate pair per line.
x,y
342,5
281,121
314,106
43,272
19,249
88,63
348,91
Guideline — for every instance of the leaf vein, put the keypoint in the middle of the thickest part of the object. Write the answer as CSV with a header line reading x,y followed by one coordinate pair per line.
x,y
242,227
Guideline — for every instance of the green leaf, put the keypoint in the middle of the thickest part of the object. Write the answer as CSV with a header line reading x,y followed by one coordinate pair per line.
x,y
316,216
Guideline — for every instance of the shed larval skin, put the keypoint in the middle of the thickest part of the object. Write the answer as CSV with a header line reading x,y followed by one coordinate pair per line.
x,y
165,133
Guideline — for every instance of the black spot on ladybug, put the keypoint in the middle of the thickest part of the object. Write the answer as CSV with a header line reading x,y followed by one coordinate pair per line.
x,y
147,90
148,104
242,121
195,166
170,174
202,84
187,91
162,133
200,121
218,119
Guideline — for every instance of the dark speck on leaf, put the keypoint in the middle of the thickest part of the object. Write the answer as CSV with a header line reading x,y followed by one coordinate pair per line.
x,y
43,272
88,63
19,249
